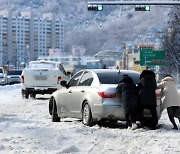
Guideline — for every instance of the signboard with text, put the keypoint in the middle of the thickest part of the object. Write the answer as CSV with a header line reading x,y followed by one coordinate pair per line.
x,y
149,57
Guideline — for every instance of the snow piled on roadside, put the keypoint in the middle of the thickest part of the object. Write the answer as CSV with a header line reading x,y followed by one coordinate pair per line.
x,y
26,127
10,87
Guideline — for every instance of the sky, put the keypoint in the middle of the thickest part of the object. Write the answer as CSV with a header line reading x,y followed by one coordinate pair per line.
x,y
26,127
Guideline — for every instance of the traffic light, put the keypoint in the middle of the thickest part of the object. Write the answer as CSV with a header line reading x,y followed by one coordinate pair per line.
x,y
95,7
142,8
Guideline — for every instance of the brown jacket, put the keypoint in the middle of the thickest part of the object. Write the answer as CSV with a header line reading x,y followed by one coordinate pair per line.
x,y
169,94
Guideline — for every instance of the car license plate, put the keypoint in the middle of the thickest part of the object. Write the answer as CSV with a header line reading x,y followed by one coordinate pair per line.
x,y
40,77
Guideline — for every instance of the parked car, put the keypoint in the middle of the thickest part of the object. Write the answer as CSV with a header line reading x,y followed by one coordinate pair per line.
x,y
42,77
3,76
90,95
14,76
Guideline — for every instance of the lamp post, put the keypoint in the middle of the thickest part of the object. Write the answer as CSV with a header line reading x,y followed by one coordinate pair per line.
x,y
27,54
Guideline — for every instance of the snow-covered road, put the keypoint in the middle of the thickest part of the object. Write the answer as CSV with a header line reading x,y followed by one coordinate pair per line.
x,y
26,127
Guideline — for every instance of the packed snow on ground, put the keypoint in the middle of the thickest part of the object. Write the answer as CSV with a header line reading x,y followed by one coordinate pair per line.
x,y
26,127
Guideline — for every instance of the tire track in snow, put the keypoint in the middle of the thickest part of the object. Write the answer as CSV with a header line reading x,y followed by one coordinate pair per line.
x,y
103,141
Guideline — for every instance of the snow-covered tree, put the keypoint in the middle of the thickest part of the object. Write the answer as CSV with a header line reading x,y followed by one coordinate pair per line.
x,y
171,42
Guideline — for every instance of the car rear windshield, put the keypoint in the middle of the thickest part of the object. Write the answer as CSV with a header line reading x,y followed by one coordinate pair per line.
x,y
42,65
114,77
14,72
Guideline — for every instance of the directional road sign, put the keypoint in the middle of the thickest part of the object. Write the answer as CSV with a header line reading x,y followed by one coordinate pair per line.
x,y
149,57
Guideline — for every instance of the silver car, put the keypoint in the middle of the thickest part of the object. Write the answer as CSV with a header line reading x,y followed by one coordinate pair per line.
x,y
3,76
90,95
14,76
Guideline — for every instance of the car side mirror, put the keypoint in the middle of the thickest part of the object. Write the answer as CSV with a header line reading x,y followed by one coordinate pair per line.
x,y
63,83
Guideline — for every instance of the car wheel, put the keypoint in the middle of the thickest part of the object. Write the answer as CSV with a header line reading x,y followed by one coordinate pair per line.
x,y
87,115
24,94
55,117
50,105
33,96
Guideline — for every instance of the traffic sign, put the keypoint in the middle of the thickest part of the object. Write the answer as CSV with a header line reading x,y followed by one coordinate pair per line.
x,y
149,57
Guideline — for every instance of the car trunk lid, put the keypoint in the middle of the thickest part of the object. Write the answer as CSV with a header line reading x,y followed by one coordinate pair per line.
x,y
41,77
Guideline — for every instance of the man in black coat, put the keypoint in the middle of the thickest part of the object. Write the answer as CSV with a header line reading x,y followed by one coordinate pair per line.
x,y
147,97
127,92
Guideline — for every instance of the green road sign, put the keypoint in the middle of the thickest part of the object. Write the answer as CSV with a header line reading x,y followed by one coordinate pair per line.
x,y
148,57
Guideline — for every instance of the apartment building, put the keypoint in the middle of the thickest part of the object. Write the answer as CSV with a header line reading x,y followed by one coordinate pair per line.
x,y
26,37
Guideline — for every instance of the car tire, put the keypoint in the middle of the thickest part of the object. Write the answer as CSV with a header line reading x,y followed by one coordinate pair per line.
x,y
50,105
33,96
24,94
87,115
55,117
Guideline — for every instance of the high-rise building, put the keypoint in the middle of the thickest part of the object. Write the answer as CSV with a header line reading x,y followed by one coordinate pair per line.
x,y
25,37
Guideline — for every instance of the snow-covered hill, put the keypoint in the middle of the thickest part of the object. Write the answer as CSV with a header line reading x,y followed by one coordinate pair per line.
x,y
26,127
96,31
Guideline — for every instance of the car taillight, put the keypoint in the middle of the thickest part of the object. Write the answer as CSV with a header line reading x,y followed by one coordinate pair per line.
x,y
107,95
22,79
59,80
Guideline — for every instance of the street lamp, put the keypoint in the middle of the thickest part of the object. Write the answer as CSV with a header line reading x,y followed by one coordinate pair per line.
x,y
27,54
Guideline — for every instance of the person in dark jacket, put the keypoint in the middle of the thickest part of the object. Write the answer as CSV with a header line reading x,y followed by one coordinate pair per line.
x,y
127,92
147,97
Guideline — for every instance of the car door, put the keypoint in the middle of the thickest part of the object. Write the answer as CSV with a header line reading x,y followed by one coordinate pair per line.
x,y
67,94
79,93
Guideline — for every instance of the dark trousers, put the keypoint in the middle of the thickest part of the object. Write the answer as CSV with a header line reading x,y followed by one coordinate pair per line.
x,y
174,111
154,119
130,118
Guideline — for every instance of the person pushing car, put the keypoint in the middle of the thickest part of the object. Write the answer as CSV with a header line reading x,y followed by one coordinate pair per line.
x,y
127,92
170,98
147,97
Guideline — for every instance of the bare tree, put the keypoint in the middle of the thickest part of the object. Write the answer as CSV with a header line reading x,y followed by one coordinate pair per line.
x,y
171,41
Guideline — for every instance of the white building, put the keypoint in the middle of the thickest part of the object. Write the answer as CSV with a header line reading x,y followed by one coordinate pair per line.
x,y
68,59
3,36
26,37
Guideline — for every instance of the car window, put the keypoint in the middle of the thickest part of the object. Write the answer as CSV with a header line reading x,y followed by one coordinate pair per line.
x,y
74,80
14,72
1,71
86,79
114,77
42,65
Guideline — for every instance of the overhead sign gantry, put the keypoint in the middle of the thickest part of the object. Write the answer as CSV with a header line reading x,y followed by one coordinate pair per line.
x,y
139,5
